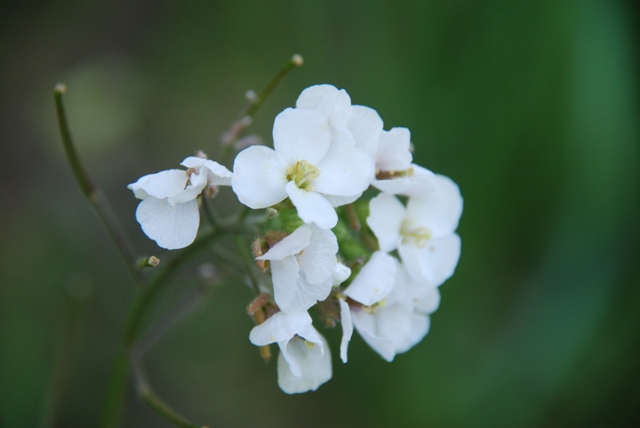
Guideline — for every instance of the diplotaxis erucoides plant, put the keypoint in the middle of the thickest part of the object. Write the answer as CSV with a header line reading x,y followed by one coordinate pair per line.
x,y
348,228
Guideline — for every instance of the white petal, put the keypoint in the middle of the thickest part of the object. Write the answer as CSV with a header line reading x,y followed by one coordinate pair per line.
x,y
338,201
429,302
439,210
285,275
280,327
386,214
401,326
217,174
366,325
393,152
307,294
301,135
312,207
366,126
347,328
344,171
334,103
161,185
171,226
375,281
196,183
259,177
318,259
313,373
290,245
193,162
312,353
435,262
420,183
340,274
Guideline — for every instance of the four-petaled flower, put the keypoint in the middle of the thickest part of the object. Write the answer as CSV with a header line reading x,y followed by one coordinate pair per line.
x,y
423,232
304,362
168,212
313,164
303,266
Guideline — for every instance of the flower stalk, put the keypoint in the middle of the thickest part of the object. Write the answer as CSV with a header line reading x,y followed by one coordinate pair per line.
x,y
92,192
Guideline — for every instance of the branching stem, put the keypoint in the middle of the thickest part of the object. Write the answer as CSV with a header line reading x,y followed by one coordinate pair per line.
x,y
92,192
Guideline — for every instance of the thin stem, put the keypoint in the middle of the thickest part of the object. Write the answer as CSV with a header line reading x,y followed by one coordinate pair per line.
x,y
248,262
92,192
149,396
63,368
254,101
227,260
295,61
117,386
177,314
209,213
354,222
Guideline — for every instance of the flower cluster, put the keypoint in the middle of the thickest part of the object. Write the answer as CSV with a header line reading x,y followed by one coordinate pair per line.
x,y
354,231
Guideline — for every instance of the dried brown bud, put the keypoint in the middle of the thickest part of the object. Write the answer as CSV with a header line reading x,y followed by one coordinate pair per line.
x,y
258,303
265,353
329,311
259,247
273,237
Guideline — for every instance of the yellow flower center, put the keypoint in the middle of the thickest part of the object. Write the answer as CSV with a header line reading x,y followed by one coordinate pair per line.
x,y
417,236
302,173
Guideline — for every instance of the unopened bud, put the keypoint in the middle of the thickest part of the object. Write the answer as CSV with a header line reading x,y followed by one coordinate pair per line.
x,y
211,190
273,237
272,212
256,306
258,248
152,261
265,353
297,60
251,96
248,141
329,312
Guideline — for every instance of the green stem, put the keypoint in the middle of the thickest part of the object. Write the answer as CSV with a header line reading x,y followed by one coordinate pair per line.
x,y
117,386
92,192
64,363
209,213
252,105
248,261
153,400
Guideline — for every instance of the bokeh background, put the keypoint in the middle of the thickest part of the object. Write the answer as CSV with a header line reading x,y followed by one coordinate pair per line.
x,y
531,107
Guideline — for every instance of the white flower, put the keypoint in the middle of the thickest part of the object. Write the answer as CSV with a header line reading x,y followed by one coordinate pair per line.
x,y
168,212
303,266
309,165
372,284
391,330
374,281
313,164
400,323
423,232
304,362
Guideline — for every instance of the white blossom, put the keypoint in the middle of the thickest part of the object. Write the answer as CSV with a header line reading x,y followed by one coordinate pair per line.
x,y
169,212
423,232
314,163
304,362
401,322
303,266
372,284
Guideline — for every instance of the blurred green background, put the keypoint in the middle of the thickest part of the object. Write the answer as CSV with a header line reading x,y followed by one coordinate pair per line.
x,y
531,107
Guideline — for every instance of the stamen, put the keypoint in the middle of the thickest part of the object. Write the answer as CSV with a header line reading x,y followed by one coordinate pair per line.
x,y
302,173
417,236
